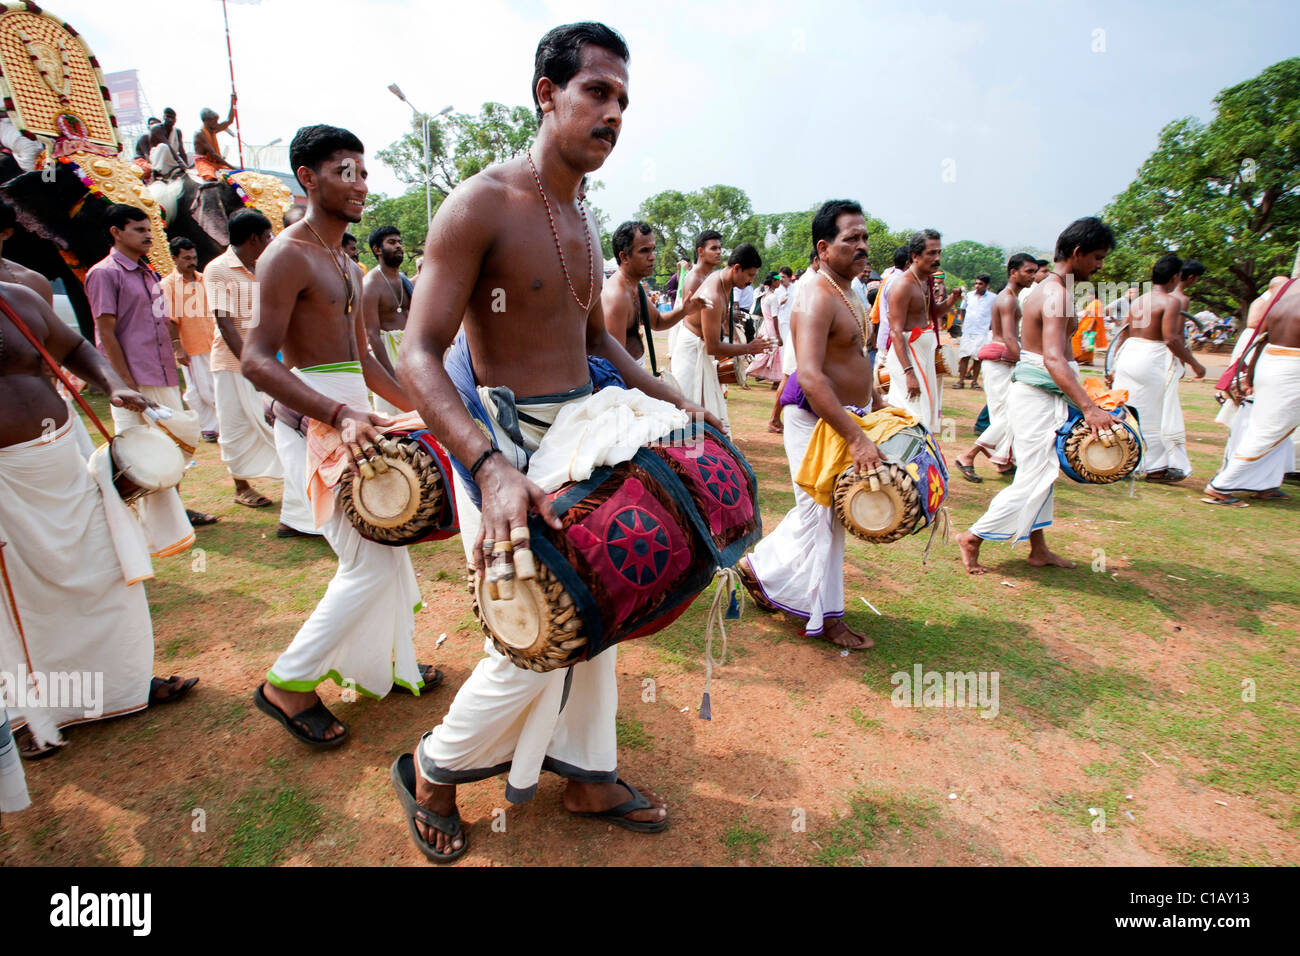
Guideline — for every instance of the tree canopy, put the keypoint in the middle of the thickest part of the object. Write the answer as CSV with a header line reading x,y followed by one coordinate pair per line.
x,y
1226,193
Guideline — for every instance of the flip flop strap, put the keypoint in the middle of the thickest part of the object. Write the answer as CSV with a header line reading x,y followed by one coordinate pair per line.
x,y
638,802
450,826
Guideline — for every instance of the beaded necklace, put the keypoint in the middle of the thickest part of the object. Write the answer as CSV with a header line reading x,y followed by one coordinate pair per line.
x,y
586,228
856,311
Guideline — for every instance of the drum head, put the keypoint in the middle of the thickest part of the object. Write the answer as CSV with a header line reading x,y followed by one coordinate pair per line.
x,y
521,623
390,499
875,512
877,516
148,458
539,628
1102,460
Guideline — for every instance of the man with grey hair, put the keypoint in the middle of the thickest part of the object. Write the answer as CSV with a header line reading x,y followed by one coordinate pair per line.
x,y
208,161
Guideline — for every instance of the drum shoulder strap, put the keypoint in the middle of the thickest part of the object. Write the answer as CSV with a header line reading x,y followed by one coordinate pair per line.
x,y
649,332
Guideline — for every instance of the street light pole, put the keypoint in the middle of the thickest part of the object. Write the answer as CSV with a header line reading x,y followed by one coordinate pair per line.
x,y
428,172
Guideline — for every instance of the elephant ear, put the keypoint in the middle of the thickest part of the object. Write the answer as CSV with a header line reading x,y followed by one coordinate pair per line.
x,y
62,210
208,209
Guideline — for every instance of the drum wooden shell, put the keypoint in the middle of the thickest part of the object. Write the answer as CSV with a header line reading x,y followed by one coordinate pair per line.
x,y
400,506
945,360
727,372
1096,463
877,516
143,460
539,629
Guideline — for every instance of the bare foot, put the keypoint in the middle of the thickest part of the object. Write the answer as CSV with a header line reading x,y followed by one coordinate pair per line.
x,y
439,798
841,635
598,797
295,702
970,552
1042,558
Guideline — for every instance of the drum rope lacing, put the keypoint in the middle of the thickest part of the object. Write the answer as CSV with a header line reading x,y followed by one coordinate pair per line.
x,y
729,584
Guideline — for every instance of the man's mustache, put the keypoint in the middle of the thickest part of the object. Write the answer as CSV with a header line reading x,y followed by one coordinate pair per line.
x,y
606,130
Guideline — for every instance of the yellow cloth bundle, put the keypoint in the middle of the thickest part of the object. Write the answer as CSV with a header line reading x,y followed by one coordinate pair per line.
x,y
828,453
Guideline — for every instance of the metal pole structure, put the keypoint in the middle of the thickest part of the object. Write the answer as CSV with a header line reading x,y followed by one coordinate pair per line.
x,y
230,58
428,179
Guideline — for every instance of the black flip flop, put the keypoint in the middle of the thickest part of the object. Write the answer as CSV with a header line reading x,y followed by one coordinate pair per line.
x,y
198,518
429,682
157,682
618,815
36,753
287,532
403,777
316,719
968,472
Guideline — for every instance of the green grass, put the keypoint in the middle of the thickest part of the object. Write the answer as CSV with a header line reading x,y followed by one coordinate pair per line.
x,y
872,817
742,837
862,721
632,733
269,825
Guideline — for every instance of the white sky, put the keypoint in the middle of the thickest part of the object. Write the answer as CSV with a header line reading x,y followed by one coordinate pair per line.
x,y
793,102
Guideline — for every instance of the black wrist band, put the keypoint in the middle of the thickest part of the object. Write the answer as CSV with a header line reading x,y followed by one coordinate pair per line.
x,y
473,469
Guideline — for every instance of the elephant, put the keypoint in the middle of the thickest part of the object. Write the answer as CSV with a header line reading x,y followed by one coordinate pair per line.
x,y
61,231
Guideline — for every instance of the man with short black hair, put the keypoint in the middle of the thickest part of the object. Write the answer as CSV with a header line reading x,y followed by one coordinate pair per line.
x,y
1188,276
707,258
386,303
361,632
168,155
1001,354
518,232
1044,270
1150,364
798,568
1044,384
976,329
133,333
350,249
627,311
188,309
914,332
699,341
247,441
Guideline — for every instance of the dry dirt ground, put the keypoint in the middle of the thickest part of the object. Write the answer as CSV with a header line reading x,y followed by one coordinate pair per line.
x,y
1122,735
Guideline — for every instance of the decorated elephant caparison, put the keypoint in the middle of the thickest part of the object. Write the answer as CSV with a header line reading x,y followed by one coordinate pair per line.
x,y
54,93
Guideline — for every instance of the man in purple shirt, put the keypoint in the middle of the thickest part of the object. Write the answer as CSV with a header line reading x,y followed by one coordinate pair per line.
x,y
132,332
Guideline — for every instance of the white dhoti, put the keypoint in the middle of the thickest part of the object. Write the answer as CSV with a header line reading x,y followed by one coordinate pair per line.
x,y
361,632
13,782
391,338
800,564
295,509
927,405
200,392
247,441
507,719
1261,452
81,646
1026,505
697,376
1151,373
85,444
996,439
971,342
161,512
